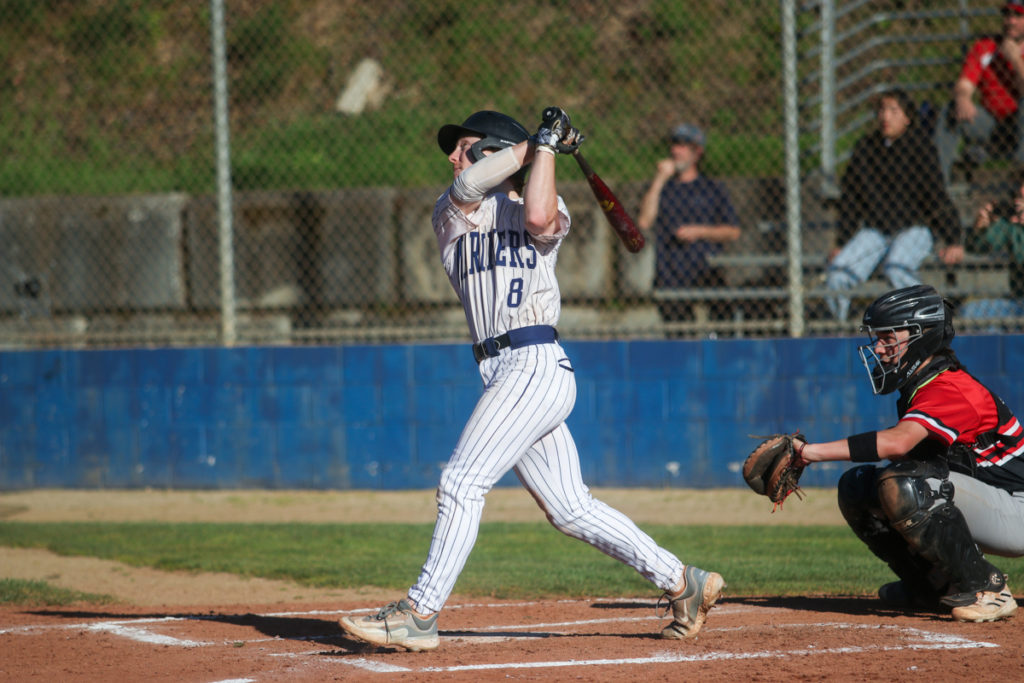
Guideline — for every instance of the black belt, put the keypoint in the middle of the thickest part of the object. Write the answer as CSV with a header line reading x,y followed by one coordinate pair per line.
x,y
513,339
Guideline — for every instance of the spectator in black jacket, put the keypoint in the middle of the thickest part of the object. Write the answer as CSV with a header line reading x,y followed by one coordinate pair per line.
x,y
893,207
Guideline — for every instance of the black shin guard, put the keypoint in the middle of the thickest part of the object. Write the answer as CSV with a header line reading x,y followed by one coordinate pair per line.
x,y
860,507
933,528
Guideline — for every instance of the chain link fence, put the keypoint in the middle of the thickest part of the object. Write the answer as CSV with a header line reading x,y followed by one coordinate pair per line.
x,y
120,228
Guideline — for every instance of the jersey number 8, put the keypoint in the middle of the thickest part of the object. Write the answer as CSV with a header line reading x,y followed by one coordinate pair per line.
x,y
515,292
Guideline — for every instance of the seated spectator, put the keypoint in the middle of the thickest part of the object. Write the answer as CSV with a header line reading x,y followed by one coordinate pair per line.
x,y
692,217
1000,227
994,68
892,199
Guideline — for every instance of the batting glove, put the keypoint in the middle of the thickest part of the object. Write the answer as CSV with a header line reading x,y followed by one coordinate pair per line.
x,y
570,142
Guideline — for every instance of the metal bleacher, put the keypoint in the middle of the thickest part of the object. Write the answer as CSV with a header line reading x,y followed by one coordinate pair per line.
x,y
849,52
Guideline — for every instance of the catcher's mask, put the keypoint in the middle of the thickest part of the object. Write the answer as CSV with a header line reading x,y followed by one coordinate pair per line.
x,y
925,314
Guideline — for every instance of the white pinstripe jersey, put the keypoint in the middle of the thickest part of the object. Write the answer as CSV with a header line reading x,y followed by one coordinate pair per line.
x,y
504,276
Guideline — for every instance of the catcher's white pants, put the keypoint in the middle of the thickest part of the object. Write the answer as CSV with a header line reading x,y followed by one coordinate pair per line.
x,y
519,422
995,516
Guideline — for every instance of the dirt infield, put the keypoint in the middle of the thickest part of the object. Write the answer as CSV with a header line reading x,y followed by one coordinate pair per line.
x,y
751,639
216,628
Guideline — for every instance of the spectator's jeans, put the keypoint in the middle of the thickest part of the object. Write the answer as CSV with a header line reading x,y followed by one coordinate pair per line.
x,y
900,257
949,131
994,309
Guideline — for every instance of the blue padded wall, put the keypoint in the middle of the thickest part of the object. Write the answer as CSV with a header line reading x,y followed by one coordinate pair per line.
x,y
648,413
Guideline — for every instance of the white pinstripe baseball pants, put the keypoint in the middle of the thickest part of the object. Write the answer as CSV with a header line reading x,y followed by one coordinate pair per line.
x,y
519,422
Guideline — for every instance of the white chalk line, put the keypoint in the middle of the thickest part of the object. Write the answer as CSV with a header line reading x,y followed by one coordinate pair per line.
x,y
124,628
144,636
929,640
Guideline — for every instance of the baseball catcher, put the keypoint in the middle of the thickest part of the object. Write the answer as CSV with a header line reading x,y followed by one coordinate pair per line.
x,y
773,469
932,494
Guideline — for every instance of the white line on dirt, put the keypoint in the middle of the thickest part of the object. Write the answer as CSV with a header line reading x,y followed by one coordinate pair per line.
x,y
376,667
143,636
127,628
676,658
928,640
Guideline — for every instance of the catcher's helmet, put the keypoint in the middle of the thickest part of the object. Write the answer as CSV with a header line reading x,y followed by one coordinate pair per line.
x,y
919,309
497,130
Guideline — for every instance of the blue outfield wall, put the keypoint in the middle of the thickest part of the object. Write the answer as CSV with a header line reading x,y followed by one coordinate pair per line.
x,y
648,413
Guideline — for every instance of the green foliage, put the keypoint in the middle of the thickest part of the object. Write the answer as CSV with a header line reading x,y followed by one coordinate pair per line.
x,y
19,592
24,15
509,560
258,49
131,109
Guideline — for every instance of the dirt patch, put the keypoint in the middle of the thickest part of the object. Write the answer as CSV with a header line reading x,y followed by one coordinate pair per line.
x,y
645,506
147,587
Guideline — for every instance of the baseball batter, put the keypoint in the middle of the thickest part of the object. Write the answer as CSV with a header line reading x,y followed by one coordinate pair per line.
x,y
499,243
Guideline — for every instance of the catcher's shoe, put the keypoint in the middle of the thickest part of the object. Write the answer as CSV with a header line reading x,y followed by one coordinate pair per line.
x,y
992,604
701,590
396,624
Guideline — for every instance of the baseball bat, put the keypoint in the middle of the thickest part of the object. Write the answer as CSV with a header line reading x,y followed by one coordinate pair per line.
x,y
620,221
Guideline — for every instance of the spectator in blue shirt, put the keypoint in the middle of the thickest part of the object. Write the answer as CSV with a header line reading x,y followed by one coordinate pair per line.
x,y
692,217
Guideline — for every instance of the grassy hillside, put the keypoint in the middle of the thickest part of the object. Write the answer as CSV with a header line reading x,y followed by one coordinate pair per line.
x,y
115,95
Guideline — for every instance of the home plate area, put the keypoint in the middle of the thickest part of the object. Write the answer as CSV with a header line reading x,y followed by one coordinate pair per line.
x,y
605,640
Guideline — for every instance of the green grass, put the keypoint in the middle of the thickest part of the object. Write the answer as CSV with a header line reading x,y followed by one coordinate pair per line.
x,y
18,592
509,561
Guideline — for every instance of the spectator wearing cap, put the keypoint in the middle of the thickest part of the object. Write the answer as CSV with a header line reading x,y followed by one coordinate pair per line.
x,y
994,69
893,206
692,217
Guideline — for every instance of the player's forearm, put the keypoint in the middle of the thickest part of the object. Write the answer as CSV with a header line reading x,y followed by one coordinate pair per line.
x,y
887,444
475,182
540,198
826,451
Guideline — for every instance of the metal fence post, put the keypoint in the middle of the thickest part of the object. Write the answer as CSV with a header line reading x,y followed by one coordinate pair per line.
x,y
828,90
792,154
224,196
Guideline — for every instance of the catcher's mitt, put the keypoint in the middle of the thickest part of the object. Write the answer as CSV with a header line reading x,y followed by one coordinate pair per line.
x,y
774,468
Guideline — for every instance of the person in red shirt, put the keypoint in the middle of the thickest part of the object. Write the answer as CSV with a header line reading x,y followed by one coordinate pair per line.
x,y
994,68
953,486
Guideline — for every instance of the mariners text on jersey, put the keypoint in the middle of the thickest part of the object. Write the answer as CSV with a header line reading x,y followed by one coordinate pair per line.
x,y
477,252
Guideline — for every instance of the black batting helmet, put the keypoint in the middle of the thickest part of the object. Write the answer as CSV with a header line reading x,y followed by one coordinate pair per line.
x,y
497,130
920,309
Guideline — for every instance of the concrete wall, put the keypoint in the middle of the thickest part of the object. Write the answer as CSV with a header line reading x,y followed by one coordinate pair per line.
x,y
348,247
666,413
